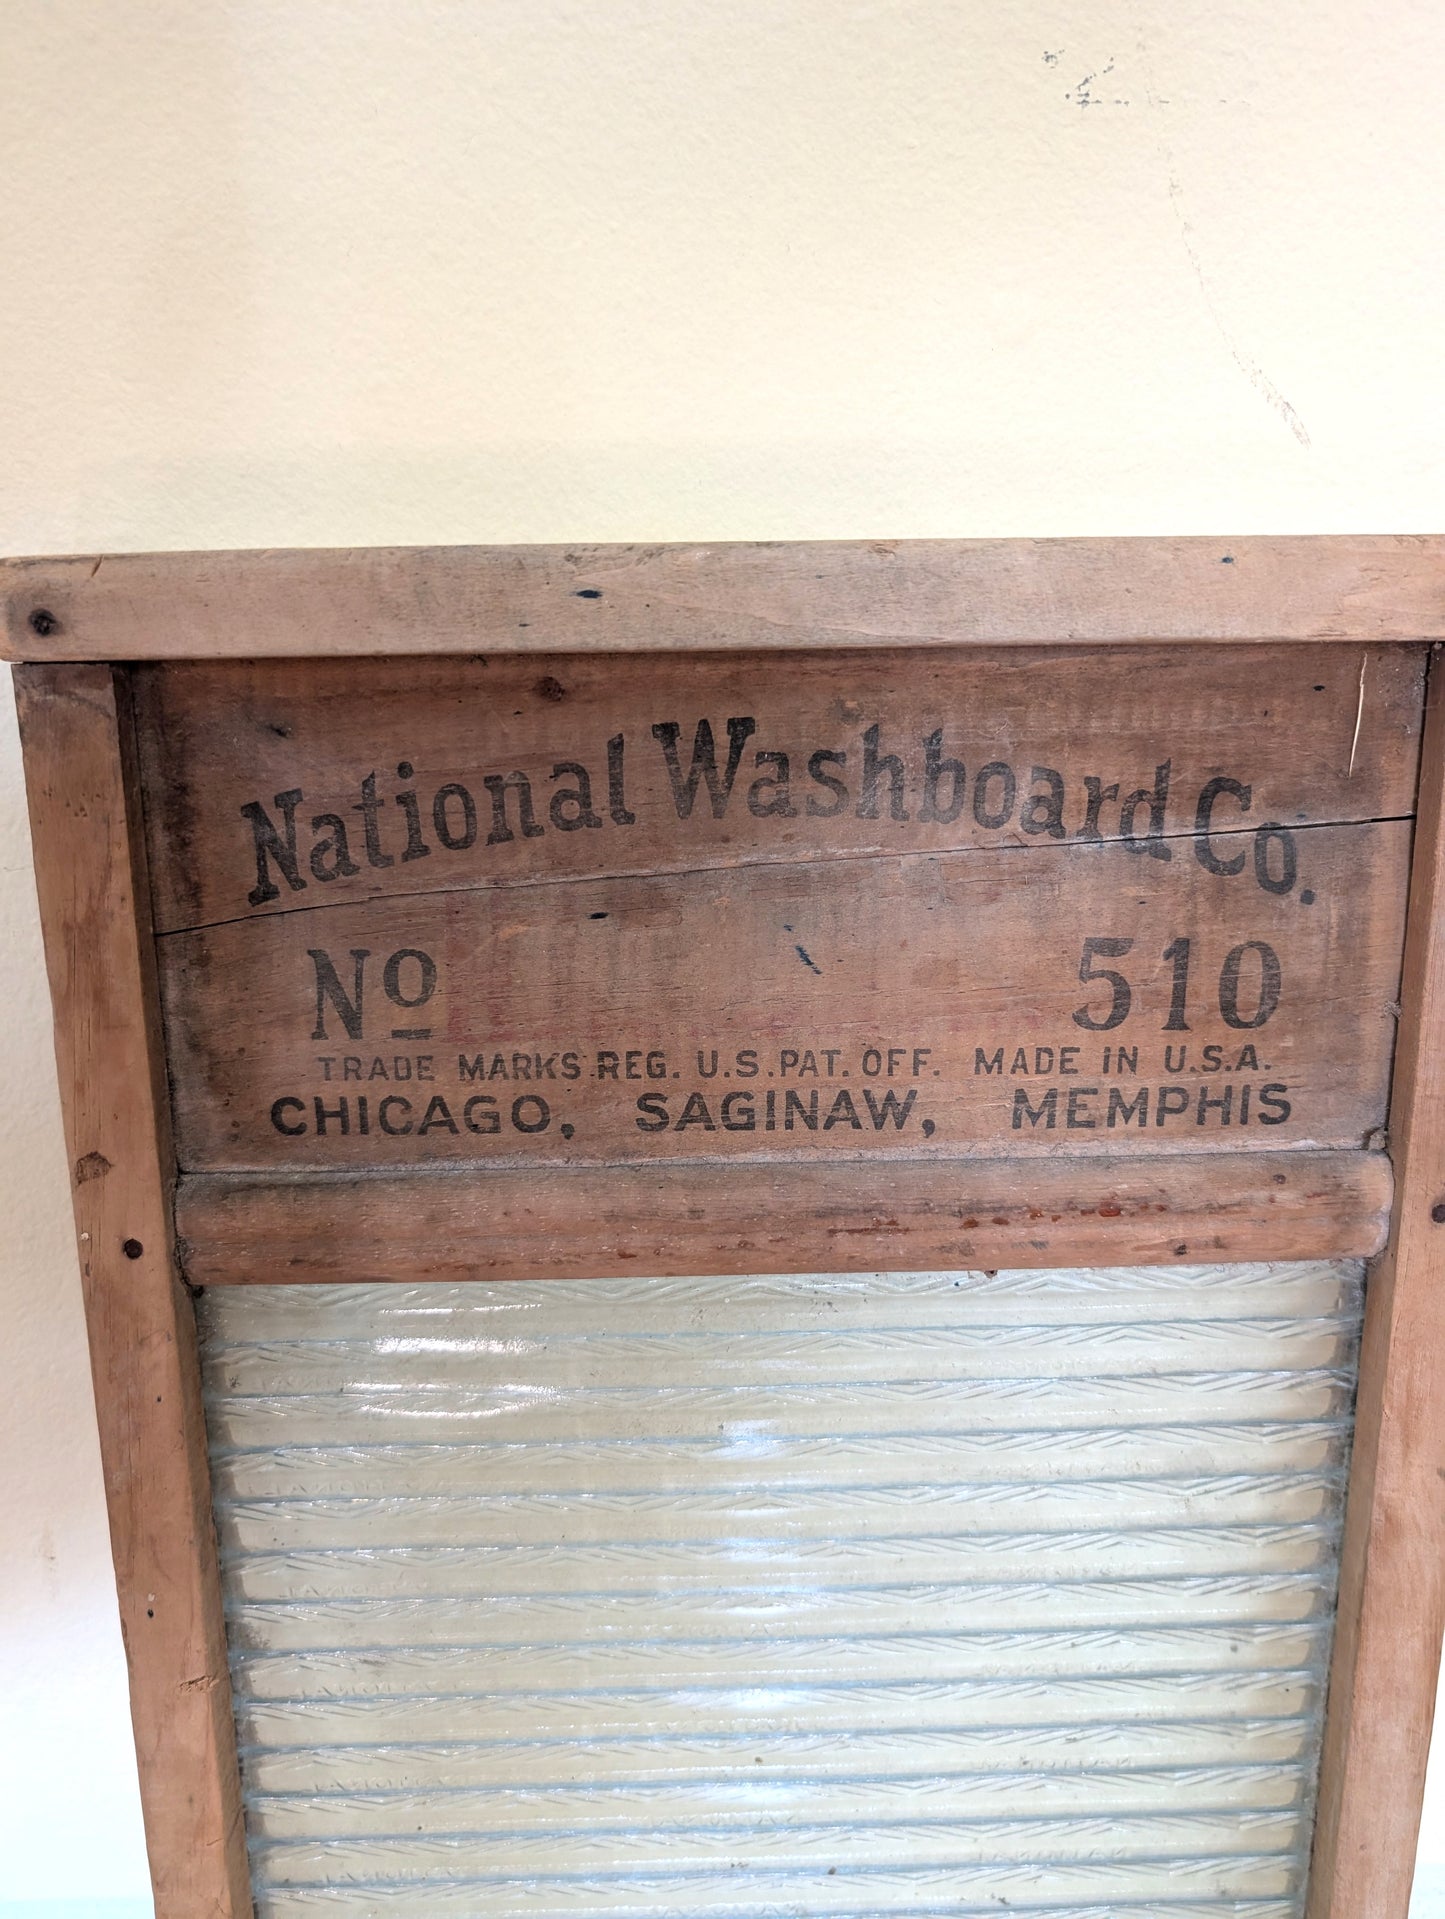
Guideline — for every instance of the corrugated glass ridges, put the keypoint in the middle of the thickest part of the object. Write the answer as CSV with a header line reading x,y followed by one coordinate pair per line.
x,y
833,1595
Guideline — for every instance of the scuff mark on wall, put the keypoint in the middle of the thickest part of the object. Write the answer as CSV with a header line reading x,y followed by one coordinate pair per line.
x,y
1083,95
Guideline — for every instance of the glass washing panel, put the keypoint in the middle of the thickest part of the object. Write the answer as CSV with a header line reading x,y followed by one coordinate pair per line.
x,y
832,1594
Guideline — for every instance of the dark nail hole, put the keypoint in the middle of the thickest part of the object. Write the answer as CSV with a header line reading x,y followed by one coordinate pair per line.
x,y
597,916
132,1249
44,623
1437,1212
150,1612
1180,1250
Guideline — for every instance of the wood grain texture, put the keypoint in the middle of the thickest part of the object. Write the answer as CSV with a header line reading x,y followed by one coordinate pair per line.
x,y
831,594
1392,1580
898,1007
139,1320
1318,735
598,911
857,1216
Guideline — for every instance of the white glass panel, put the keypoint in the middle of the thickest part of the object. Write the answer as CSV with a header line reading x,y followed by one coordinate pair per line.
x,y
834,1594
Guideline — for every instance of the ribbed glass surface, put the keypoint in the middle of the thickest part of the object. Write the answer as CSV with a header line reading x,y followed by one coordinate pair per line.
x,y
838,1595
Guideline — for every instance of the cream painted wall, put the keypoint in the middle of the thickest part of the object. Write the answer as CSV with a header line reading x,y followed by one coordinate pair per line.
x,y
293,272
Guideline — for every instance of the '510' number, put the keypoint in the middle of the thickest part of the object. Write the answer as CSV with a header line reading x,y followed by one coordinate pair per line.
x,y
1240,961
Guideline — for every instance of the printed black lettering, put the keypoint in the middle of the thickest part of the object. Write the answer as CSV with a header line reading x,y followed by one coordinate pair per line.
x,y
392,982
834,785
416,846
880,1111
456,839
329,987
770,795
271,845
1097,794
617,807
1272,834
1156,798
936,770
1044,812
331,855
280,1106
1269,985
695,1113
704,763
994,817
370,819
571,806
1047,1109
1127,1112
1204,819
877,767
843,1112
499,788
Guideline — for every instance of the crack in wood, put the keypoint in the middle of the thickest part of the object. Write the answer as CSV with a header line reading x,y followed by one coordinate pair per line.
x,y
745,863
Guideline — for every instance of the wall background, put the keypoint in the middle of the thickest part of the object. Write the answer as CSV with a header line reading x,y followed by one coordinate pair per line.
x,y
299,272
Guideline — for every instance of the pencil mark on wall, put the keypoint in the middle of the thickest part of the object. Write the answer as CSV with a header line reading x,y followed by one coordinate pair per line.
x,y
1248,366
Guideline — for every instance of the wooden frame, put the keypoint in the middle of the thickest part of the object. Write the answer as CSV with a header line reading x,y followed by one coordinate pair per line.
x,y
69,620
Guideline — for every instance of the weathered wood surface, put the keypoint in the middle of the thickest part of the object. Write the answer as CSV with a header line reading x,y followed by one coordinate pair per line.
x,y
500,1223
789,767
141,1328
915,1006
888,904
1392,1577
819,594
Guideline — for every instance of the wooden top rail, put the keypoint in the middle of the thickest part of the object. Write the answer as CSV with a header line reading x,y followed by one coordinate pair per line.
x,y
744,596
